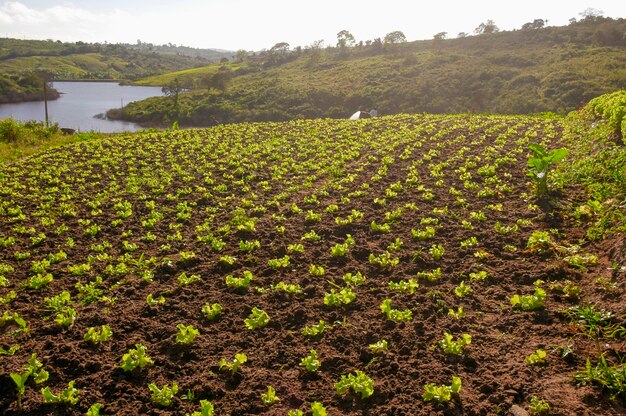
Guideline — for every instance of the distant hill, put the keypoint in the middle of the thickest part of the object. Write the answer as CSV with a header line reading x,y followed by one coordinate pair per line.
x,y
55,60
531,70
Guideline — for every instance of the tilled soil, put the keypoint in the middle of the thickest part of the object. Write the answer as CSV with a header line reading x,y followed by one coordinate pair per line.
x,y
492,369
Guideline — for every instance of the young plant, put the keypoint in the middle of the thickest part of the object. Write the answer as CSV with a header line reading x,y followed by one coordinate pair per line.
x,y
452,347
530,302
96,337
134,358
379,346
150,300
257,319
316,270
33,368
211,311
233,365
437,251
538,406
163,396
206,409
404,286
359,382
383,260
270,397
68,395
310,362
289,288
344,297
280,263
185,280
239,282
536,358
395,314
442,393
354,280
462,289
315,330
539,164
186,334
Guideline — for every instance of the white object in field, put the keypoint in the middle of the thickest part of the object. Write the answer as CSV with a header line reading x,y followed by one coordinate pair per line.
x,y
355,116
373,113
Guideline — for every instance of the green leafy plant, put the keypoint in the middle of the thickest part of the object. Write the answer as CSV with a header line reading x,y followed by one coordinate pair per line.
x,y
185,280
163,396
538,406
404,286
462,289
258,318
452,347
316,270
379,346
211,311
150,300
395,314
239,282
383,260
233,365
186,334
609,377
206,409
530,302
359,382
315,330
354,280
343,297
136,358
311,362
318,409
96,337
437,251
269,398
289,288
33,368
94,409
540,163
68,395
280,263
442,393
536,358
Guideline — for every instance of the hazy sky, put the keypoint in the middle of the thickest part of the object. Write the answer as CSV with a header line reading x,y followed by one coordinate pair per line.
x,y
259,24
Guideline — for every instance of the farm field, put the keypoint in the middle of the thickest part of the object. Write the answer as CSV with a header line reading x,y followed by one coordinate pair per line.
x,y
401,265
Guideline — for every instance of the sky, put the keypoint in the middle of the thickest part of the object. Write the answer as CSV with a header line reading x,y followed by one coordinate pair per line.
x,y
260,24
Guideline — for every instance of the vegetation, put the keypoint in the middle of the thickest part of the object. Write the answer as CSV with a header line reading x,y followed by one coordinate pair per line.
x,y
533,70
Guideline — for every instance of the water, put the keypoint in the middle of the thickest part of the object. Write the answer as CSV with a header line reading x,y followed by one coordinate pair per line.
x,y
80,104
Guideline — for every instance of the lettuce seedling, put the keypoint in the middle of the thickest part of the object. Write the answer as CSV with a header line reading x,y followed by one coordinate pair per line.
x,y
539,164
239,282
292,289
450,346
94,409
257,319
206,409
233,365
186,334
379,346
163,396
395,314
462,289
359,382
354,280
318,409
150,300
404,286
316,270
344,297
529,302
442,393
537,358
280,263
96,337
136,358
211,311
270,397
314,330
310,362
185,280
68,395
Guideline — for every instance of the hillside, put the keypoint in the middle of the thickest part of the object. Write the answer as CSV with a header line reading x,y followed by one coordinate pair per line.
x,y
525,71
401,265
75,61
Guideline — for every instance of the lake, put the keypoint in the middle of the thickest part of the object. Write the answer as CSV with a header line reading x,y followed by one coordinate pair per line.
x,y
80,103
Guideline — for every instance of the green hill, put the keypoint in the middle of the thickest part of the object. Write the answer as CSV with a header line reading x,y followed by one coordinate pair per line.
x,y
20,59
523,71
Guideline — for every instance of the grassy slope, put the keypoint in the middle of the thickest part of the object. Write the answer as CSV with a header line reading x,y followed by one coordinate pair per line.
x,y
552,69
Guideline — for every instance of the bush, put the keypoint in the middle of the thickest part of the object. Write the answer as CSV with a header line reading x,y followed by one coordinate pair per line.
x,y
11,131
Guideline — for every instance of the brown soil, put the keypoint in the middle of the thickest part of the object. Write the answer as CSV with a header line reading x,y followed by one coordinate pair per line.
x,y
492,369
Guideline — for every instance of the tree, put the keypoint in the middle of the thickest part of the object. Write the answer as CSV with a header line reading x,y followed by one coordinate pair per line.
x,y
280,48
534,25
392,38
461,35
590,14
241,55
345,39
486,28
218,81
438,39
